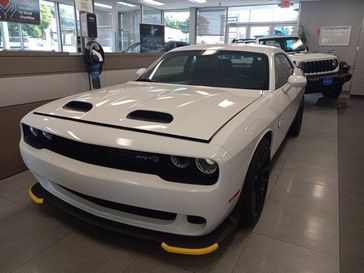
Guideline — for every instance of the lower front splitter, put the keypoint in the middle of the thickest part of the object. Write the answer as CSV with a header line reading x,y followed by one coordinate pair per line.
x,y
180,244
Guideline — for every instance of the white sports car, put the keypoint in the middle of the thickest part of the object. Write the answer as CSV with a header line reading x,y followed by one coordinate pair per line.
x,y
180,155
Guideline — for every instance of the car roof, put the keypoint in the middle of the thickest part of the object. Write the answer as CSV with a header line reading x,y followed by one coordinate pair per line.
x,y
232,47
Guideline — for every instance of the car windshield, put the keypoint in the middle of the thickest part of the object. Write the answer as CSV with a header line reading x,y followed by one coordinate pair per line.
x,y
293,44
230,69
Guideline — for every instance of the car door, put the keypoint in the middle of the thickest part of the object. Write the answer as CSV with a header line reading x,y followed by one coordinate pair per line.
x,y
285,102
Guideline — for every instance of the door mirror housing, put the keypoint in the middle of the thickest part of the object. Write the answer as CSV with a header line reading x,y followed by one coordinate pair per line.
x,y
297,81
140,71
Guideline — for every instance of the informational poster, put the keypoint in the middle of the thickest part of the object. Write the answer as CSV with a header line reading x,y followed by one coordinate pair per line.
x,y
21,11
84,5
151,38
335,35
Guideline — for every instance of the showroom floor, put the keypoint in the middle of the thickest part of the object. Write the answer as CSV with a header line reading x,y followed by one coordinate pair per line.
x,y
298,231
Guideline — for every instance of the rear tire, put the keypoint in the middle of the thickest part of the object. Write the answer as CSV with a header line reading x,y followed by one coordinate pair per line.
x,y
295,128
333,92
252,198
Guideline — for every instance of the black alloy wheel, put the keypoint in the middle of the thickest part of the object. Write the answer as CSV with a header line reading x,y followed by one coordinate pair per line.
x,y
251,201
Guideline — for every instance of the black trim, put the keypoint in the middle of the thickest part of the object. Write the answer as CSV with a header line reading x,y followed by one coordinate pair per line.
x,y
125,128
216,236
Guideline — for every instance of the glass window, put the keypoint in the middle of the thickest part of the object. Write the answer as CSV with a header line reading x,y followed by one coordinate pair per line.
x,y
211,26
283,30
237,33
104,30
259,31
10,36
273,13
129,19
68,28
152,16
286,43
32,37
177,26
239,15
230,69
283,69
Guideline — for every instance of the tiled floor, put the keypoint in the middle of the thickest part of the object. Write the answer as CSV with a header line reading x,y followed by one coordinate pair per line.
x,y
298,230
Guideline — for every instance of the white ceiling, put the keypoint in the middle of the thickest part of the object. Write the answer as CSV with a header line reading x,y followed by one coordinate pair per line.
x,y
184,4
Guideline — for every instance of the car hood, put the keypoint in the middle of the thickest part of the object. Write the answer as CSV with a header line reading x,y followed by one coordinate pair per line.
x,y
197,112
304,57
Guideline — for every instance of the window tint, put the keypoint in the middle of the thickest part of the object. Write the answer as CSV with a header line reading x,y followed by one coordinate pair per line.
x,y
283,69
232,69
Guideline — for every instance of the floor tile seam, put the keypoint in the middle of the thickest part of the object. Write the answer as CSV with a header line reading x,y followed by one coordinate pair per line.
x,y
297,245
11,215
283,178
131,262
241,252
14,201
4,183
303,207
309,182
306,209
41,251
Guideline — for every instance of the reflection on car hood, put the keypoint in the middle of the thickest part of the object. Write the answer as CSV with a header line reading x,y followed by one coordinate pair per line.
x,y
198,112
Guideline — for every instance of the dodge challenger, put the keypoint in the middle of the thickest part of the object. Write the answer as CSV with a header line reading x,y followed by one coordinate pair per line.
x,y
180,156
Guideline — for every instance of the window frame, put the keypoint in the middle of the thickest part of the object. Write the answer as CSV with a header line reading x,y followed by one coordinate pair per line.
x,y
276,86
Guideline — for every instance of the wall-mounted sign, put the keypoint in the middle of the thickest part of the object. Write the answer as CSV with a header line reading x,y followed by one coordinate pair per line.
x,y
335,35
151,38
285,3
84,5
21,11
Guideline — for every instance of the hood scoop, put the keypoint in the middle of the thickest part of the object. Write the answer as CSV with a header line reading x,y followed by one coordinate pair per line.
x,y
151,116
78,106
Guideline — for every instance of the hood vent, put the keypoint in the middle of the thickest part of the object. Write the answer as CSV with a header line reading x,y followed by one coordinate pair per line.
x,y
78,106
151,116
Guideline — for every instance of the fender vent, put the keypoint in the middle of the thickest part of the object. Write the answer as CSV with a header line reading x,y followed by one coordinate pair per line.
x,y
151,116
79,106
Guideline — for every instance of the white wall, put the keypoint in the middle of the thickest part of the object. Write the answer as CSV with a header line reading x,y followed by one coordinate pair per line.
x,y
26,89
333,13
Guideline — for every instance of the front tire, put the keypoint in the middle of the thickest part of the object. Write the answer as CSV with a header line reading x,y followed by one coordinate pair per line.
x,y
252,199
295,128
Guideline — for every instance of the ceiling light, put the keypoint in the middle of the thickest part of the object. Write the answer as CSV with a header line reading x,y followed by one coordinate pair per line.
x,y
103,6
126,4
152,2
198,1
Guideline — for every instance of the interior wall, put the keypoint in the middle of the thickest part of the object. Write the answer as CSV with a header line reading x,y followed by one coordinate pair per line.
x,y
333,13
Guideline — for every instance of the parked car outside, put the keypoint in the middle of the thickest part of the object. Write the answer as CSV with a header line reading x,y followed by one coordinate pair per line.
x,y
135,48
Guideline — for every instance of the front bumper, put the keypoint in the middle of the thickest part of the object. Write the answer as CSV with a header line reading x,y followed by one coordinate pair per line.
x,y
316,83
188,245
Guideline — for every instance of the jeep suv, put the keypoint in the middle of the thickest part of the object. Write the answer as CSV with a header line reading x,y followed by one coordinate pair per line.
x,y
324,72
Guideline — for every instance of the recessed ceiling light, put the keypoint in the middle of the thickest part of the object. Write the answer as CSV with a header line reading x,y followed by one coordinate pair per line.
x,y
152,2
198,1
126,4
103,6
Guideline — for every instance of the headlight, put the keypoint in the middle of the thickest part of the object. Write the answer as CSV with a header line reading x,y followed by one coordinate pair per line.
x,y
180,161
47,135
34,132
335,63
206,166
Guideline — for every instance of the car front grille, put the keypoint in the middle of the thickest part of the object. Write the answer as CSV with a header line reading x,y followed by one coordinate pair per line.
x,y
116,158
157,214
319,66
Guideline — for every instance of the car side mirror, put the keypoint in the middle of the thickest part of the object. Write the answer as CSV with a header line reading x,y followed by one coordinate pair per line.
x,y
294,81
140,71
297,81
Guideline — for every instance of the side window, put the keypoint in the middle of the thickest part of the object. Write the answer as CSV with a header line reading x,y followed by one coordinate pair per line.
x,y
283,69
